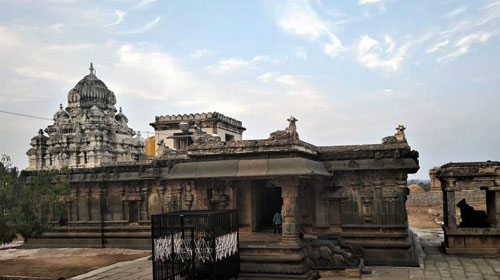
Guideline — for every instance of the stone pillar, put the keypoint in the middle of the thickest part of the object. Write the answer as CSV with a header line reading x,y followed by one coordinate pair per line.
x,y
496,221
493,203
101,198
144,202
188,196
69,207
161,199
449,207
178,189
377,205
202,199
435,183
123,195
170,199
289,210
75,194
403,192
89,203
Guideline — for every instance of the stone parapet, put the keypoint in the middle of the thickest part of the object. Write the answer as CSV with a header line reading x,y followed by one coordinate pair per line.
x,y
251,146
196,117
377,151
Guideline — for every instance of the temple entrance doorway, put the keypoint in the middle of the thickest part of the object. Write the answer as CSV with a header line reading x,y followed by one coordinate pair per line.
x,y
133,212
267,202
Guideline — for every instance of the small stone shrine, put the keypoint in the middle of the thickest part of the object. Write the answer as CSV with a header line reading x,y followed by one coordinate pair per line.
x,y
479,231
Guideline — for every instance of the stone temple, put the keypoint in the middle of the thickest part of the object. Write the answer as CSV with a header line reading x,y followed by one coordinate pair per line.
x,y
354,192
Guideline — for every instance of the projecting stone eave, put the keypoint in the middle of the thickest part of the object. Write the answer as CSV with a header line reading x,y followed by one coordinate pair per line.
x,y
370,156
482,169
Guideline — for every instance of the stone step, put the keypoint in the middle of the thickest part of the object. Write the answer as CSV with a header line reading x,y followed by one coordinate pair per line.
x,y
270,276
379,244
96,234
87,228
374,228
371,235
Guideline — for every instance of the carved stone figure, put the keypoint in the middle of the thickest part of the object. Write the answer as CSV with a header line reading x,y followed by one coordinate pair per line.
x,y
201,137
164,150
290,133
471,217
330,252
399,136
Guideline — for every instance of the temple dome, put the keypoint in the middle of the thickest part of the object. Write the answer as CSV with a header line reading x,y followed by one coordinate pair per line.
x,y
95,112
138,140
91,91
121,116
61,113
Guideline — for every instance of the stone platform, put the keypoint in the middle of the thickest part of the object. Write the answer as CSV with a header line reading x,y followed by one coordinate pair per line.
x,y
434,264
477,241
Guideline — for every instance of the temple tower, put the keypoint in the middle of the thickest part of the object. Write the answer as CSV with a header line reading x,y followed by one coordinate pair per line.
x,y
87,133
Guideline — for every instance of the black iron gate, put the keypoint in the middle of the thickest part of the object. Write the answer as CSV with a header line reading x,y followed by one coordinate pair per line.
x,y
200,244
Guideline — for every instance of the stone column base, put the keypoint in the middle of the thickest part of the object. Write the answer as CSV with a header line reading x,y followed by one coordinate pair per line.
x,y
276,260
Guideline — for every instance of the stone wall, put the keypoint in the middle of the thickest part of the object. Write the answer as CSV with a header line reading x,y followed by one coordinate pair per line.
x,y
436,198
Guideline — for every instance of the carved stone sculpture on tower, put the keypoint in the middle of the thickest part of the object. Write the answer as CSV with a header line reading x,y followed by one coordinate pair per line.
x,y
201,137
290,133
87,133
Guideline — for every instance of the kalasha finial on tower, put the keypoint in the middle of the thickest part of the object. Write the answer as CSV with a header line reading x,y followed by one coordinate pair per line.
x,y
92,70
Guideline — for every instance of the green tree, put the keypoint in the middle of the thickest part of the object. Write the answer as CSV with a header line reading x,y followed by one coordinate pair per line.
x,y
28,206
8,176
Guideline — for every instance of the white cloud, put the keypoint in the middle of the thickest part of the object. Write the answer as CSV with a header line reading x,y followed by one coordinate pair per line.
x,y
8,38
299,18
149,25
485,15
301,53
370,54
62,1
266,77
145,3
70,47
229,64
289,80
137,64
456,12
390,44
36,74
201,53
236,63
464,44
437,46
369,2
491,5
120,16
56,26
391,92
334,47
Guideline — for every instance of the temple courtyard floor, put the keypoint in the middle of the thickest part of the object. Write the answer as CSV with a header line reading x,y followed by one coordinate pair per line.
x,y
434,265
93,264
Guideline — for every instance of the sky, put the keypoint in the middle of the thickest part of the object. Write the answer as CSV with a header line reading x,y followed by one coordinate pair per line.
x,y
350,71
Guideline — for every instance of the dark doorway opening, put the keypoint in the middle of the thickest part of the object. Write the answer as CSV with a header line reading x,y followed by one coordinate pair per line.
x,y
133,212
268,202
